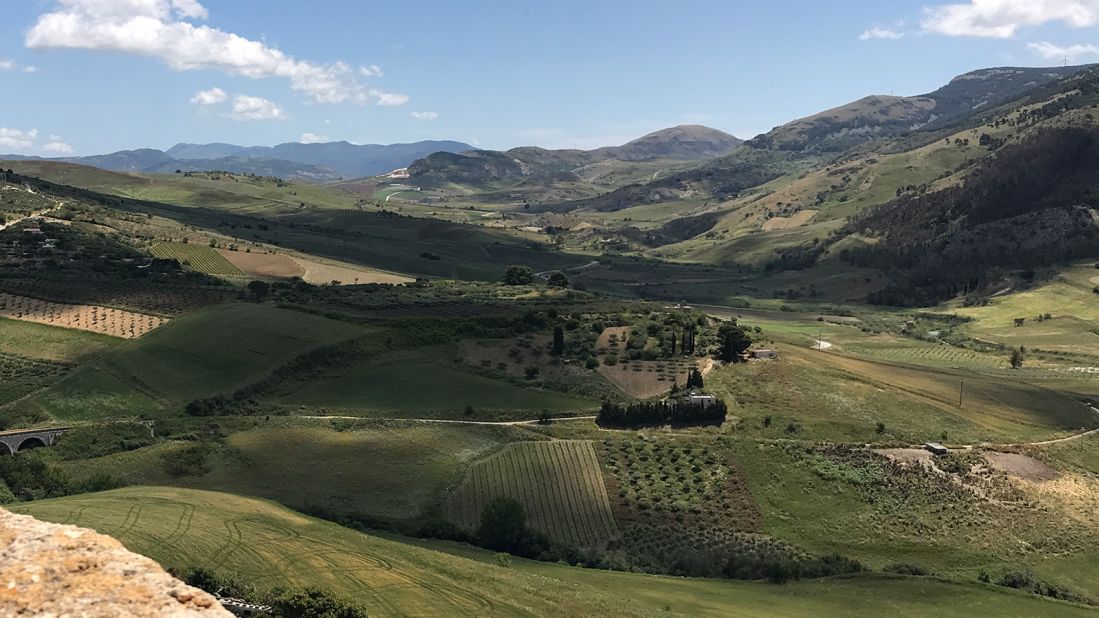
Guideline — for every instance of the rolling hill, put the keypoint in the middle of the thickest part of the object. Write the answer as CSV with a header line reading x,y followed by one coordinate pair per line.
x,y
482,168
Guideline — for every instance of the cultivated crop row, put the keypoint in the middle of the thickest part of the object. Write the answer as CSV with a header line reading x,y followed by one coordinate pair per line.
x,y
143,296
199,257
559,483
103,320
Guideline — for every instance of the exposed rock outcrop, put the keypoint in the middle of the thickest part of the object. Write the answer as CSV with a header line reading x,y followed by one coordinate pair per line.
x,y
56,570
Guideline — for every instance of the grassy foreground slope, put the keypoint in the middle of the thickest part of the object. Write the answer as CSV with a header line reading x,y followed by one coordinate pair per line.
x,y
270,546
213,351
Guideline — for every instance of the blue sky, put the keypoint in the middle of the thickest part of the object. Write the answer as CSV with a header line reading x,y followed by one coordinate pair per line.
x,y
93,76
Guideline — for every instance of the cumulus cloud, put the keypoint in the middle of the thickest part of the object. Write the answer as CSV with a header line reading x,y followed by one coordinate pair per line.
x,y
370,71
57,145
160,29
880,33
212,96
313,138
1003,18
1073,53
17,140
256,108
424,115
389,98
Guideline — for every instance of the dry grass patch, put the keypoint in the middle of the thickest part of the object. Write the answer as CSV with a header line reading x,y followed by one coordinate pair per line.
x,y
274,265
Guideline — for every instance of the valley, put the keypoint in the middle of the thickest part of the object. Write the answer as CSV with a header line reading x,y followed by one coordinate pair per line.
x,y
847,366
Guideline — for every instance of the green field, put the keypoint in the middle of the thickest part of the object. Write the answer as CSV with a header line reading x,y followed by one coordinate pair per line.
x,y
559,483
199,257
381,470
271,546
414,382
50,343
21,376
209,352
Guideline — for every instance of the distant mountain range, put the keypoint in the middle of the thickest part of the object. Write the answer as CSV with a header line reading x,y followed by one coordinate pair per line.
x,y
318,162
480,167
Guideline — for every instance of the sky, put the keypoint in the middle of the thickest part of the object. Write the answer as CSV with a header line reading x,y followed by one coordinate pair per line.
x,y
81,77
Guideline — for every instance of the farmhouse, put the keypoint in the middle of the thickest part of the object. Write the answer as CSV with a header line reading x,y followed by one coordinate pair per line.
x,y
763,354
936,449
703,400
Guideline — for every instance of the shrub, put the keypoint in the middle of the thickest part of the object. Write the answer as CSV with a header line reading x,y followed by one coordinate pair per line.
x,y
314,603
905,568
96,441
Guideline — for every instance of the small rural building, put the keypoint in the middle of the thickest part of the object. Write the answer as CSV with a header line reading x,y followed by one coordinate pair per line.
x,y
703,400
936,449
763,354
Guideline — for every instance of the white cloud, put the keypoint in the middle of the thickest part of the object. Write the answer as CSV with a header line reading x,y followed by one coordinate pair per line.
x,y
16,140
159,29
424,115
30,69
389,98
1003,18
313,138
1073,53
212,96
371,71
57,145
256,108
880,33
6,65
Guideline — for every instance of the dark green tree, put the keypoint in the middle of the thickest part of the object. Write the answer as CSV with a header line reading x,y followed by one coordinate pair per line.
x,y
503,524
259,289
518,275
558,340
734,342
557,279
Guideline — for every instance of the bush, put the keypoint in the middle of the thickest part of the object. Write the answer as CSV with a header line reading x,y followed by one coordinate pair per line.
x,y
190,461
904,568
314,603
99,440
503,524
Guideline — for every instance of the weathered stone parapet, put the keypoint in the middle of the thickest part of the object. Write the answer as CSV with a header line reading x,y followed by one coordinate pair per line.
x,y
57,570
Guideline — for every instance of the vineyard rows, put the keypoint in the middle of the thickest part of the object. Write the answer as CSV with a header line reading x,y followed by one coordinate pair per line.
x,y
559,483
939,355
103,320
199,257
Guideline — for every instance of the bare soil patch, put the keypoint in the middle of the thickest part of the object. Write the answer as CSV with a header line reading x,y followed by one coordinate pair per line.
x,y
621,335
798,219
1020,466
644,379
93,318
906,455
264,264
319,273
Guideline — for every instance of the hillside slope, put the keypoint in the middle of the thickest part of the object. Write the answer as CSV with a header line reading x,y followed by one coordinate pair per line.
x,y
271,546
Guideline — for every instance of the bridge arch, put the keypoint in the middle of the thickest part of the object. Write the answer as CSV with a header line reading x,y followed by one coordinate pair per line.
x,y
31,442
4,449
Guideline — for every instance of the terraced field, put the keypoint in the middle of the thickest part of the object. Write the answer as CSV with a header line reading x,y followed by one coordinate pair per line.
x,y
560,483
199,257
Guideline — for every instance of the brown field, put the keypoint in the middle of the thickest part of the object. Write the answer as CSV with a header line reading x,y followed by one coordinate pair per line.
x,y
644,379
275,265
799,219
319,273
103,320
621,332
282,266
1020,466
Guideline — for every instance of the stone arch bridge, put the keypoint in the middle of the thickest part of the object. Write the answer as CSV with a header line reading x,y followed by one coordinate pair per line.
x,y
12,442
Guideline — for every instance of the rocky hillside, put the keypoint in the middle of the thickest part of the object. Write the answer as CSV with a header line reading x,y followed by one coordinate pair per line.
x,y
872,117
55,570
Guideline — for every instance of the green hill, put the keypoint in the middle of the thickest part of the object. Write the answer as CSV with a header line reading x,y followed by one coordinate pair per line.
x,y
270,546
